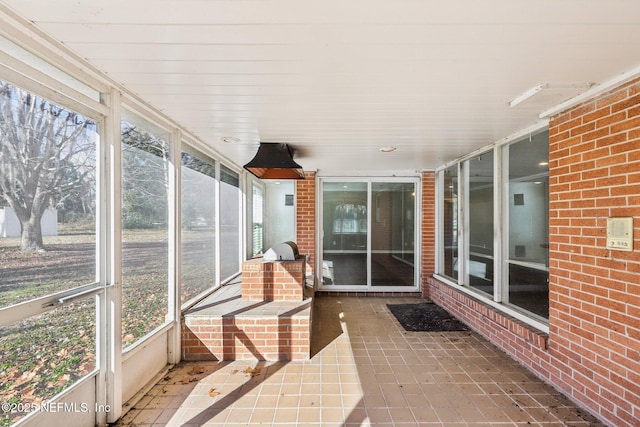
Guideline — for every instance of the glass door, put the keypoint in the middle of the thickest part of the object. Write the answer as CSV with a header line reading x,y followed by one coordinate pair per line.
x,y
393,234
345,237
368,234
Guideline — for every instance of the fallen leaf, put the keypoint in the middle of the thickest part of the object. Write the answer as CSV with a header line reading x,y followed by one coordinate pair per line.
x,y
252,372
195,370
213,392
187,380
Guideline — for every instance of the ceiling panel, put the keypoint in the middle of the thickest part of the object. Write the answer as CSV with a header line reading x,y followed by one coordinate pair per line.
x,y
337,80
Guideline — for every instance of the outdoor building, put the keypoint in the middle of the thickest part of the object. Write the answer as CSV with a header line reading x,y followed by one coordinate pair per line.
x,y
486,157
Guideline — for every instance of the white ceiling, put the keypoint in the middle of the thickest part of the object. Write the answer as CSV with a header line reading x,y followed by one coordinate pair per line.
x,y
338,79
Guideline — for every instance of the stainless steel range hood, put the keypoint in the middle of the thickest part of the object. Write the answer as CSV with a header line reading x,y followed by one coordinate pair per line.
x,y
274,160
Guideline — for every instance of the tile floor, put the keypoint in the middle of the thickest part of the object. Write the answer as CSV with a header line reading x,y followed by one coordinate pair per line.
x,y
366,371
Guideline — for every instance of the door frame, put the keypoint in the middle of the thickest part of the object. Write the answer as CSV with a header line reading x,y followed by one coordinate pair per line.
x,y
369,180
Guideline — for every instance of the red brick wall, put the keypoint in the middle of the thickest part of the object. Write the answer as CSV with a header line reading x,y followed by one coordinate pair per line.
x,y
592,353
238,338
273,281
594,167
306,218
428,248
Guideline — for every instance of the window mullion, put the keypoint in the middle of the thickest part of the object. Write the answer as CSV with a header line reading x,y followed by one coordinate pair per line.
x,y
463,228
218,278
110,336
499,216
174,224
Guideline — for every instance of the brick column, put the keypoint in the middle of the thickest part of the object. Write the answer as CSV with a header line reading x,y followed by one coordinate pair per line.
x,y
428,239
306,218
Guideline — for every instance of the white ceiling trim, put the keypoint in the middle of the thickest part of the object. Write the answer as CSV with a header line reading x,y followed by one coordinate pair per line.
x,y
593,92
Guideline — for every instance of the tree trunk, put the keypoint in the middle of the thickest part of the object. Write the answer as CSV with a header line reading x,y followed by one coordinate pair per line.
x,y
31,235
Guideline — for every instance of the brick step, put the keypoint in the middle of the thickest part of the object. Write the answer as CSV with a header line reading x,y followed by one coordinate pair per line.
x,y
226,327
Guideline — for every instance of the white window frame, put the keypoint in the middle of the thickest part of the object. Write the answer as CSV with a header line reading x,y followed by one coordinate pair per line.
x,y
501,232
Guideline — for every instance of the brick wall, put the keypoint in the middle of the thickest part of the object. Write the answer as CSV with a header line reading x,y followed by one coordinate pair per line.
x,y
592,352
273,281
594,156
244,338
306,218
428,248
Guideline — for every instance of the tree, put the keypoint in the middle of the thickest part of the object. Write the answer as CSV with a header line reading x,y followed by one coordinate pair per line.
x,y
145,178
47,154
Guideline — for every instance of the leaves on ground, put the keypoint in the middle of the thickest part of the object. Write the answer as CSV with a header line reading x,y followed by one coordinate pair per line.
x,y
195,370
187,380
252,372
213,392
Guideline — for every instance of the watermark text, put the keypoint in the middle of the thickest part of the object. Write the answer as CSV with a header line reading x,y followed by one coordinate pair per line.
x,y
52,407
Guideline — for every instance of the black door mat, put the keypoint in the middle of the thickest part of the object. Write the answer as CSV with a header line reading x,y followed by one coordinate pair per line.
x,y
425,317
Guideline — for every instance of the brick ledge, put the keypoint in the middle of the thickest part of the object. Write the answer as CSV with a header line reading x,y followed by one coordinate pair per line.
x,y
481,317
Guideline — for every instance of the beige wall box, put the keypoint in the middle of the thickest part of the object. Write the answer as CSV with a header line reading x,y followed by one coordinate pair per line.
x,y
620,234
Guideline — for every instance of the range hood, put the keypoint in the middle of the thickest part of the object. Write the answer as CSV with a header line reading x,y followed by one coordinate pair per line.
x,y
274,160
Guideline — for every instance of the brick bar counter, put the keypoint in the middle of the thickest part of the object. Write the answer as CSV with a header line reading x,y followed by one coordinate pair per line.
x,y
267,317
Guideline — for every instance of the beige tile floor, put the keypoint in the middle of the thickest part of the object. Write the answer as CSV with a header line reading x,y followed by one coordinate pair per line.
x,y
366,371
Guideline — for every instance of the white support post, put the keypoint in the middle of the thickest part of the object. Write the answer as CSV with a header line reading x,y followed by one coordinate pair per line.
x,y
174,220
216,221
102,249
113,235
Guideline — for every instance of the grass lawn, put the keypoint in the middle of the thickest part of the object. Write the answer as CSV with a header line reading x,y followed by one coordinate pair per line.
x,y
42,355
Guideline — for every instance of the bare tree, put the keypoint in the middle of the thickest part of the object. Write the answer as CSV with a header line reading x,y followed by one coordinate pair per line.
x,y
45,154
145,177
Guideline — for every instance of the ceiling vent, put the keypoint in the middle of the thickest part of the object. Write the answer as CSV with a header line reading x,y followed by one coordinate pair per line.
x,y
274,160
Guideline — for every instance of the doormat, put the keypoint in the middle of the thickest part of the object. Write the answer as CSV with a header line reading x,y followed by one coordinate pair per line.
x,y
425,317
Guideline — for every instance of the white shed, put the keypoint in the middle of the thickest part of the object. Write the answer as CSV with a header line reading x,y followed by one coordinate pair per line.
x,y
10,225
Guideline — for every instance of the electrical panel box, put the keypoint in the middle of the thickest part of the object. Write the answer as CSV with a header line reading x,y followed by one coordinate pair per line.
x,y
620,234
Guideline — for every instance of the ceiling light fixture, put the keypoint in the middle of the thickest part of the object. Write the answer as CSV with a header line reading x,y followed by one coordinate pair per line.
x,y
274,160
387,149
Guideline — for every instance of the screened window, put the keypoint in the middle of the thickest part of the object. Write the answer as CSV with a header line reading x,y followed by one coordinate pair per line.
x,y
279,216
47,248
230,222
47,197
145,169
198,225
257,218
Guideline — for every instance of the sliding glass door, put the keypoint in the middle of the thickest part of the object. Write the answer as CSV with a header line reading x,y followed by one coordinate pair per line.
x,y
368,234
345,233
393,234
